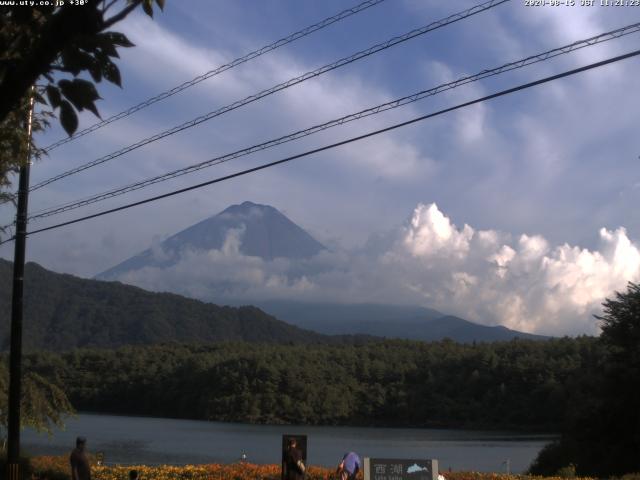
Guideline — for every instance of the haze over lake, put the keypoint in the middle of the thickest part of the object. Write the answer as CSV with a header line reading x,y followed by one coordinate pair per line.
x,y
145,440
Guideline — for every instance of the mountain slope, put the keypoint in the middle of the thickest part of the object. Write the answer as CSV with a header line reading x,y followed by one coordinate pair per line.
x,y
392,321
63,311
262,232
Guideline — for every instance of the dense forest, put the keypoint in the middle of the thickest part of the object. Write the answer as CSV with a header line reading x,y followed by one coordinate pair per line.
x,y
517,384
601,430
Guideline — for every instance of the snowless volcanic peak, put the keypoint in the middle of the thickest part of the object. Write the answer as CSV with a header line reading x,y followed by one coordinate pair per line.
x,y
262,231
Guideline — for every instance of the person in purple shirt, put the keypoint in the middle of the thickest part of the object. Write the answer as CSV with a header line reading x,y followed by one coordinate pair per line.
x,y
349,466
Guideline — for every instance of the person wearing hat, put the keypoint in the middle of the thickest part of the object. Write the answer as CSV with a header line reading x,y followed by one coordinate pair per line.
x,y
80,468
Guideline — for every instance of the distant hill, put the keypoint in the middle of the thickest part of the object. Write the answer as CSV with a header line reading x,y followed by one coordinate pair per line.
x,y
391,321
264,232
63,311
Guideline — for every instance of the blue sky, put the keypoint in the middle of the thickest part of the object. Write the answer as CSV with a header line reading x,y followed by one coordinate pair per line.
x,y
519,211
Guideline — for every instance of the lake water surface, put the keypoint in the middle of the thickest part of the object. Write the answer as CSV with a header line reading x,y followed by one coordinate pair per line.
x,y
144,440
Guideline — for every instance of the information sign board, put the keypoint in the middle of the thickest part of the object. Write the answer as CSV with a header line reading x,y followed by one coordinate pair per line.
x,y
400,469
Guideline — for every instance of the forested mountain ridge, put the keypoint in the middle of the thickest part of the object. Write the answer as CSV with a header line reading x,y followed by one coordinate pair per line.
x,y
519,384
63,311
391,321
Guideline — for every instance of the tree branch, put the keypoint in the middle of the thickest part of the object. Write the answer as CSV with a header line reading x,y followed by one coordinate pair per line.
x,y
122,15
108,6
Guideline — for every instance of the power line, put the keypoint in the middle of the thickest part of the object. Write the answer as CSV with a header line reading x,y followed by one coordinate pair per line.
x,y
12,235
222,68
289,83
10,239
603,37
344,142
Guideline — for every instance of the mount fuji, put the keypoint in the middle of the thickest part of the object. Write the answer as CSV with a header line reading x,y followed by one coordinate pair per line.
x,y
266,233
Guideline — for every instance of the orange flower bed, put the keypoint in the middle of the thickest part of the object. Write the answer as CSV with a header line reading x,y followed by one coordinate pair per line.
x,y
58,468
499,476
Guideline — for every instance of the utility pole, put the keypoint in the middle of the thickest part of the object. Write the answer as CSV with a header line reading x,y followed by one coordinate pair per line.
x,y
15,359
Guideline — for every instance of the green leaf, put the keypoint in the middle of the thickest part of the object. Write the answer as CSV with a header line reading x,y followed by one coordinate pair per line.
x,y
102,58
81,93
93,109
160,4
75,60
53,94
88,43
95,70
147,7
38,98
107,45
68,117
111,73
120,39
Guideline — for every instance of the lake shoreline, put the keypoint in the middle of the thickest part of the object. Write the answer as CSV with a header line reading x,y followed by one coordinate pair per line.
x,y
512,430
156,441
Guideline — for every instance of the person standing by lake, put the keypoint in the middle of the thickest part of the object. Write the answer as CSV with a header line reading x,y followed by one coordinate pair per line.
x,y
349,466
80,468
294,467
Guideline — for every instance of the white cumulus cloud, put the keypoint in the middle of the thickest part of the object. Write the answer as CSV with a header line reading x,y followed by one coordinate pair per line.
x,y
528,284
485,276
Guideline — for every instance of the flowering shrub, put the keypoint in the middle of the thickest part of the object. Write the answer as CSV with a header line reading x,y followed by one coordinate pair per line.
x,y
57,468
499,476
